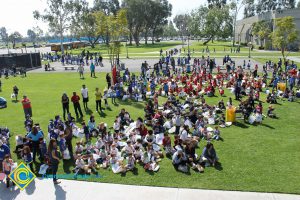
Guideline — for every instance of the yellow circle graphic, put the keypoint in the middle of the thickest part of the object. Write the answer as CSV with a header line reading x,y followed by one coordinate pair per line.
x,y
21,176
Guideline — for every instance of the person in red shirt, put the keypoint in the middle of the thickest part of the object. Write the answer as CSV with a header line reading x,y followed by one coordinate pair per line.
x,y
27,106
75,99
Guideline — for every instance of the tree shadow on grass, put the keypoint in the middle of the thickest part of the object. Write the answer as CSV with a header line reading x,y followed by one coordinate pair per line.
x,y
15,101
241,125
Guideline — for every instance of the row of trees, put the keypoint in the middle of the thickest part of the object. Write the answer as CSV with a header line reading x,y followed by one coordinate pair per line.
x,y
34,35
210,22
7,38
253,7
105,18
283,35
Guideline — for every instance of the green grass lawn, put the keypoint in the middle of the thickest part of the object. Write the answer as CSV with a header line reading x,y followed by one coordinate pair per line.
x,y
262,158
227,46
274,60
143,48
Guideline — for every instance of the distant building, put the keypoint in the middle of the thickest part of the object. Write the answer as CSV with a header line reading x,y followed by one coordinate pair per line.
x,y
244,27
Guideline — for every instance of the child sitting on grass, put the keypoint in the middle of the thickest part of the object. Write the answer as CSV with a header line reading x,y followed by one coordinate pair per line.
x,y
217,133
130,162
81,167
270,112
167,144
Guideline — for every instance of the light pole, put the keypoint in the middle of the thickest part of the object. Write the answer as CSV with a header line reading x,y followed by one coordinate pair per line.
x,y
188,43
250,46
127,50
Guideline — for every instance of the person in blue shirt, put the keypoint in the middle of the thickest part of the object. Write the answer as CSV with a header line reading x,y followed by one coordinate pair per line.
x,y
209,155
35,136
4,150
92,69
166,89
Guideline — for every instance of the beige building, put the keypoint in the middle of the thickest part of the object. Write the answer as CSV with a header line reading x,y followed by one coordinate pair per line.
x,y
244,26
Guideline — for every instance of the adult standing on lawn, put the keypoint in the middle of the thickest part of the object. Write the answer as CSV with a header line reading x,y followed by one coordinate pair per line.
x,y
81,70
92,68
27,106
65,104
85,96
108,80
35,135
16,92
54,158
75,99
68,136
98,100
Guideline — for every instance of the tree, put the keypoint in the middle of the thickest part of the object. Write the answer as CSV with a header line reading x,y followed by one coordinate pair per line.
x,y
285,33
249,9
59,16
298,5
270,5
107,6
136,16
216,3
262,30
169,30
39,33
212,23
236,5
15,37
31,35
4,36
182,23
161,10
116,27
84,23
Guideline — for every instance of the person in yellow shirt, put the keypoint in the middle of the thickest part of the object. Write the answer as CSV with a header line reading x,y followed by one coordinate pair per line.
x,y
98,99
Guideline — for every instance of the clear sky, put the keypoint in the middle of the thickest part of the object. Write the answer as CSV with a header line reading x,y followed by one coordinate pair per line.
x,y
16,15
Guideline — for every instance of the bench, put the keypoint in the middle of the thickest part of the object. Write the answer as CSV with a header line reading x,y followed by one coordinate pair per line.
x,y
71,68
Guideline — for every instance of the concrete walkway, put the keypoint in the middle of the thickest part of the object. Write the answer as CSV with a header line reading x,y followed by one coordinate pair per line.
x,y
134,65
74,190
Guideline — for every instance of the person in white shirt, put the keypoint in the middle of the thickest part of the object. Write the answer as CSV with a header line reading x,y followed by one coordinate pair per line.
x,y
184,134
179,160
85,96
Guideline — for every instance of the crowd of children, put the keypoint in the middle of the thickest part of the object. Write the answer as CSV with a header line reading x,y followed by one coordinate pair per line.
x,y
185,115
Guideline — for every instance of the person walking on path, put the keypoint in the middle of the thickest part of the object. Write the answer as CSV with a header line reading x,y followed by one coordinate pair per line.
x,y
65,104
85,97
75,99
98,100
27,106
54,158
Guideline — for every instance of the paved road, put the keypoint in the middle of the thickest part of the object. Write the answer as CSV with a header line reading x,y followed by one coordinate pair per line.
x,y
44,189
134,65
